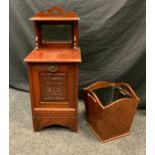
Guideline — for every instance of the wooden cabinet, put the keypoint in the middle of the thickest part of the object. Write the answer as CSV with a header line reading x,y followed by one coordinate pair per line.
x,y
53,73
54,94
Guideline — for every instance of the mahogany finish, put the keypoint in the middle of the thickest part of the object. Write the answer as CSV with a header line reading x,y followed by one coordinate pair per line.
x,y
113,120
53,72
55,13
43,55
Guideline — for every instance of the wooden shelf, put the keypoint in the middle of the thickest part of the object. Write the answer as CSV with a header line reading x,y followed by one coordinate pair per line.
x,y
54,55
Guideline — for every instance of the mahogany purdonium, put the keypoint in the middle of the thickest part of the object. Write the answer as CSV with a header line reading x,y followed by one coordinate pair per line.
x,y
110,109
53,69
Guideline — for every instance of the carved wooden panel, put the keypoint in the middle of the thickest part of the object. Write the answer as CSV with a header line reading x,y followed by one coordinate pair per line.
x,y
55,11
53,87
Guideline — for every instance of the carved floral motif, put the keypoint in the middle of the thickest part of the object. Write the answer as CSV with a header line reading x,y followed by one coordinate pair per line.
x,y
52,87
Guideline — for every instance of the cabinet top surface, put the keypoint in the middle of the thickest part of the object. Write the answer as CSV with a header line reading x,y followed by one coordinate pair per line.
x,y
44,55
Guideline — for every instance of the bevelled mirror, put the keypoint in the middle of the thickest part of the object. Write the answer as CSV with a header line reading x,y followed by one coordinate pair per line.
x,y
56,33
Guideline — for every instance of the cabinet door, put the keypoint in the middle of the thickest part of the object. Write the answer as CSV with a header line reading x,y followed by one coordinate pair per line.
x,y
54,85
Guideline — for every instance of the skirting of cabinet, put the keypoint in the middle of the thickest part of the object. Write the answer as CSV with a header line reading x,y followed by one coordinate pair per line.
x,y
39,123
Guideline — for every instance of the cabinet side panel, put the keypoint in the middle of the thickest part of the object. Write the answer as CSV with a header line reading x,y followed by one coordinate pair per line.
x,y
31,86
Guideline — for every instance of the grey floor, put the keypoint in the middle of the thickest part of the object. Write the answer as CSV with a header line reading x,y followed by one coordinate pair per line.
x,y
61,141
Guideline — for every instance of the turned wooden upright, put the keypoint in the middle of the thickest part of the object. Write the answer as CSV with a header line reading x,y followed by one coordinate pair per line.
x,y
53,69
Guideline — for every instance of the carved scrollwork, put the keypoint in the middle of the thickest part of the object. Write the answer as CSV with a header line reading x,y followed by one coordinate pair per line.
x,y
53,87
55,11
